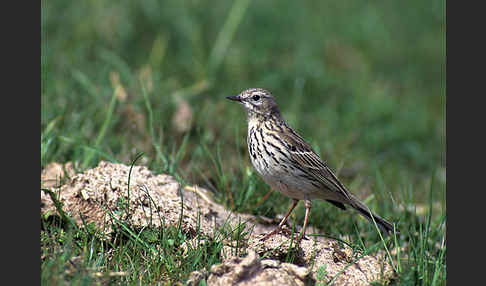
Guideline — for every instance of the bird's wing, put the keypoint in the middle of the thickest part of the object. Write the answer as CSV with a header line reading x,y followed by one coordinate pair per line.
x,y
309,162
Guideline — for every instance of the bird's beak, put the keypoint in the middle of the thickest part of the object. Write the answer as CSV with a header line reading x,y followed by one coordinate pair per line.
x,y
235,98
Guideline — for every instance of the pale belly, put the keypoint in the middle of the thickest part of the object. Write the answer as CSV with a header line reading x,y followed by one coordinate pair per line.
x,y
287,183
287,180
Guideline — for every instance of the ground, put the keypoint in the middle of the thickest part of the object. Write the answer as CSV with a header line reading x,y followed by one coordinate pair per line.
x,y
102,195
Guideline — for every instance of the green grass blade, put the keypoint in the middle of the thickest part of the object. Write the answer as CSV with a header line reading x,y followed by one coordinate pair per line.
x,y
226,34
102,133
148,106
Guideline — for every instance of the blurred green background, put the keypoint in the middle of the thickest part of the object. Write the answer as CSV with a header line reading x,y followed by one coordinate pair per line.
x,y
362,81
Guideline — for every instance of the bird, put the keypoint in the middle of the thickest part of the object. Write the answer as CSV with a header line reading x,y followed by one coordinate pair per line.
x,y
287,163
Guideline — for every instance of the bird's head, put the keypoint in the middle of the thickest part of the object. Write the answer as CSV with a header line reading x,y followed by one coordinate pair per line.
x,y
257,101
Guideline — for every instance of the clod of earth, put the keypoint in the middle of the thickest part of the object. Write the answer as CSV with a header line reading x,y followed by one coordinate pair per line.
x,y
253,271
157,201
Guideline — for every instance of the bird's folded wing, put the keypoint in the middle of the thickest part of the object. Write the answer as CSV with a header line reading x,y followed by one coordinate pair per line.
x,y
303,155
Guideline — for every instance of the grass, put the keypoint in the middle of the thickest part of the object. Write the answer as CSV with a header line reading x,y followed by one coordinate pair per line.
x,y
363,82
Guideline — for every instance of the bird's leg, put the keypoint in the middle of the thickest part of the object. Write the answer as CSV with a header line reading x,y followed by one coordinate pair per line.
x,y
306,218
277,229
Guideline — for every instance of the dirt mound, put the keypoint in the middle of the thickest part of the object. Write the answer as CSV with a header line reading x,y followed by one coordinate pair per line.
x,y
101,195
252,271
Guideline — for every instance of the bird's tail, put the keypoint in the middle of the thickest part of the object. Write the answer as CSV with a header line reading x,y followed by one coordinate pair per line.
x,y
383,224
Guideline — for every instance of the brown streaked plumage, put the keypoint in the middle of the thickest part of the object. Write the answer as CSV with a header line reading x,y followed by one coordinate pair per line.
x,y
288,163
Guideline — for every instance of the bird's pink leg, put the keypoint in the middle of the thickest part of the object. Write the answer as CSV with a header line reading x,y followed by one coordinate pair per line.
x,y
277,229
306,218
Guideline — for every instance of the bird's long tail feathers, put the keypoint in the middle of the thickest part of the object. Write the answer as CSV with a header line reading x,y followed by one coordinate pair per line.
x,y
384,225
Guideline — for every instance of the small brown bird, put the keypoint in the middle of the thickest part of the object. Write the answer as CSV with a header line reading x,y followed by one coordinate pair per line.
x,y
289,164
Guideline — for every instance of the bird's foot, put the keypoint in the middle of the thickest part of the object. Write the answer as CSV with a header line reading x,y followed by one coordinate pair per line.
x,y
299,237
273,232
286,232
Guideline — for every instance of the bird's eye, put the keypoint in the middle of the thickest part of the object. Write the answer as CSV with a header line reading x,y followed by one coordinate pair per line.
x,y
256,97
